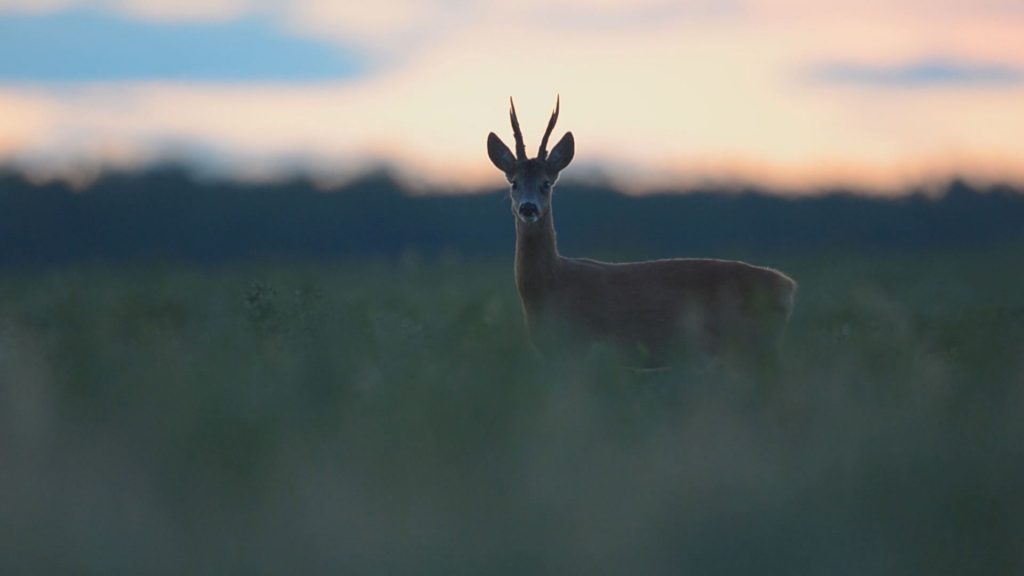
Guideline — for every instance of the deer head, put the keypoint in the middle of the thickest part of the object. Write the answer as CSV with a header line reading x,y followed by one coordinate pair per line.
x,y
531,179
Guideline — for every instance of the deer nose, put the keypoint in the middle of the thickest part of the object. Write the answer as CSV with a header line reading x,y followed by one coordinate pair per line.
x,y
528,210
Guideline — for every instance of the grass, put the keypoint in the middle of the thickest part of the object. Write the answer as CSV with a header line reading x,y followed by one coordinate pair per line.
x,y
391,418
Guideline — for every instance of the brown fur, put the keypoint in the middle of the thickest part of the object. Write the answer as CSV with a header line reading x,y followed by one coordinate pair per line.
x,y
652,310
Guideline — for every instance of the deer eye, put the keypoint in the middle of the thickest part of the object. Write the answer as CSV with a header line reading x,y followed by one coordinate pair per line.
x,y
515,185
545,186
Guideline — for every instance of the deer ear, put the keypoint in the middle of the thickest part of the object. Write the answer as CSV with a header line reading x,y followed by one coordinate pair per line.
x,y
499,154
562,153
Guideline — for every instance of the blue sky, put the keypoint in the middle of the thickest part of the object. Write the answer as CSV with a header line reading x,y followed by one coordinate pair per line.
x,y
926,73
787,92
91,45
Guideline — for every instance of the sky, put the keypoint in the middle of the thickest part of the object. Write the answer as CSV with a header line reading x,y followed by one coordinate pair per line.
x,y
791,93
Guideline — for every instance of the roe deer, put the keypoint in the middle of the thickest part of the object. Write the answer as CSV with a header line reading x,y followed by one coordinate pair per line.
x,y
649,310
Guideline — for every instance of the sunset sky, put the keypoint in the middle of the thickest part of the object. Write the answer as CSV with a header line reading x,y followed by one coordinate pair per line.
x,y
873,93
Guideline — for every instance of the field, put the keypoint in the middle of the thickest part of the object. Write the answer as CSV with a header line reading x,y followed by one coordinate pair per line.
x,y
390,417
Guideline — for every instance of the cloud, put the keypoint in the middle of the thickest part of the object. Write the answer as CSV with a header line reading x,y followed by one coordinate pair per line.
x,y
653,88
935,72
393,31
151,10
181,10
74,46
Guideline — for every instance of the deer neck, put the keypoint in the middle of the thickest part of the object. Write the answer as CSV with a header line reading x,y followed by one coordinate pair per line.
x,y
536,258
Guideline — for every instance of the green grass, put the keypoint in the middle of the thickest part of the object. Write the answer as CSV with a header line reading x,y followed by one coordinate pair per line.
x,y
376,418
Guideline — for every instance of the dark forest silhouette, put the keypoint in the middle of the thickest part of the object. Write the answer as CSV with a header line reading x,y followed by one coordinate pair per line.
x,y
165,214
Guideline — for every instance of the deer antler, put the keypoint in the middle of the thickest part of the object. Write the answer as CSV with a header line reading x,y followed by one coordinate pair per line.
x,y
520,147
542,153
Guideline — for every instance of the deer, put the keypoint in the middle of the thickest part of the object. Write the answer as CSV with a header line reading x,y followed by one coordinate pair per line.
x,y
652,312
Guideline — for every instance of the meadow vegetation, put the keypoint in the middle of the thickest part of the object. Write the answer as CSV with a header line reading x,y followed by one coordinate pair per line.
x,y
390,417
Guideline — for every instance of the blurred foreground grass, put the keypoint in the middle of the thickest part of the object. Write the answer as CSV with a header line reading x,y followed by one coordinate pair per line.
x,y
379,418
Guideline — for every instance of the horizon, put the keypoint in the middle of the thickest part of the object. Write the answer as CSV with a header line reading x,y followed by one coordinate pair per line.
x,y
171,217
396,180
874,96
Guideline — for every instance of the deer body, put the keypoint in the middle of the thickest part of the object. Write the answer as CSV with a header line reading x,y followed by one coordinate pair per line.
x,y
652,310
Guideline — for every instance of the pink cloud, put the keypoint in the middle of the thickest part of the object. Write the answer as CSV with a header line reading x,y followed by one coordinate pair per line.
x,y
691,95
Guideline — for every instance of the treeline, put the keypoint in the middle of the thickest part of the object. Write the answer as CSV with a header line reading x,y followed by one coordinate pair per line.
x,y
168,215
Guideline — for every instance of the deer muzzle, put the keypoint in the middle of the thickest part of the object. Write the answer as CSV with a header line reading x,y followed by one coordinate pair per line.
x,y
528,211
